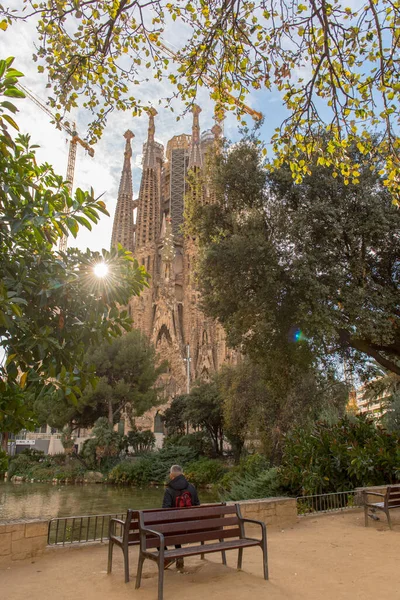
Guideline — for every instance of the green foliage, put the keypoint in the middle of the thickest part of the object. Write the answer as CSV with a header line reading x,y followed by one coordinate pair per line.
x,y
251,478
108,442
152,468
199,442
262,485
330,458
95,52
33,464
174,416
321,268
205,471
201,408
139,441
126,373
52,307
67,440
391,420
3,462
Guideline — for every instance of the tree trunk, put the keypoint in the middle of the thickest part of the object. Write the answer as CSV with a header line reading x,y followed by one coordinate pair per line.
x,y
110,413
4,441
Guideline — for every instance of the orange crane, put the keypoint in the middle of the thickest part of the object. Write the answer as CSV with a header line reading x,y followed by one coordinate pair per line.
x,y
74,140
257,116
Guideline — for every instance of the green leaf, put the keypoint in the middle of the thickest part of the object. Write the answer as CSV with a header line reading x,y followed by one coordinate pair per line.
x,y
11,121
13,92
9,106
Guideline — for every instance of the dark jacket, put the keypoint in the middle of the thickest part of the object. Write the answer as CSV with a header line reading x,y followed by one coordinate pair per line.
x,y
175,488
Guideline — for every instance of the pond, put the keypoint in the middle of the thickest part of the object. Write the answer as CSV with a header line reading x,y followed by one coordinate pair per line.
x,y
45,500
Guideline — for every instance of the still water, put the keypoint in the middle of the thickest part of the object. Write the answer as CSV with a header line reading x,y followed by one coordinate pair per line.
x,y
33,500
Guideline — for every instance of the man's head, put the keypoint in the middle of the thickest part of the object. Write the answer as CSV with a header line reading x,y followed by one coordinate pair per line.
x,y
174,471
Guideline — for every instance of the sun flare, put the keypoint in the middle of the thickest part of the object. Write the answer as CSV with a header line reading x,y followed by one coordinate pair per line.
x,y
101,270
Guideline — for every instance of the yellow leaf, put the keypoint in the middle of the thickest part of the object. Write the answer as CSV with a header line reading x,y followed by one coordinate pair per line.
x,y
22,380
3,25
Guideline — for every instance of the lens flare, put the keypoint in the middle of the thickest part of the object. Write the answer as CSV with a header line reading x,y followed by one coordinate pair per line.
x,y
296,335
100,270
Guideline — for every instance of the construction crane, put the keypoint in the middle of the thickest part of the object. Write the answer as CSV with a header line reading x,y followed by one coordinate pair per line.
x,y
257,116
74,140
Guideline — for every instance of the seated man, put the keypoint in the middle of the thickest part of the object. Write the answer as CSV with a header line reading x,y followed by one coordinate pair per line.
x,y
179,493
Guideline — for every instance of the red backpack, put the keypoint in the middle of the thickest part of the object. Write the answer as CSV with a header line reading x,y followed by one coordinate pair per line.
x,y
184,500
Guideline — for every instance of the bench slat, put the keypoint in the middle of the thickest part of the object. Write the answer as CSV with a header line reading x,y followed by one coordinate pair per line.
x,y
230,545
181,514
134,526
189,538
199,525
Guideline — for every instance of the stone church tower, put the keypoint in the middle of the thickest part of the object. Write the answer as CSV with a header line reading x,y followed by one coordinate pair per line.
x,y
168,311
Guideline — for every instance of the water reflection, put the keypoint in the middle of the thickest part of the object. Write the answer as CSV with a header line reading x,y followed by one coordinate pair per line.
x,y
32,500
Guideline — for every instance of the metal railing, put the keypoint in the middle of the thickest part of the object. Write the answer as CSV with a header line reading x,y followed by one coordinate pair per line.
x,y
323,503
81,529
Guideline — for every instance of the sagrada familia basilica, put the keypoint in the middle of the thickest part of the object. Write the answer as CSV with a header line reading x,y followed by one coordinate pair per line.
x,y
168,311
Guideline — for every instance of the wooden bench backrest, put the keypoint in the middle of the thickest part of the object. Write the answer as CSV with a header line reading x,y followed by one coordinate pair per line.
x,y
392,499
189,525
132,519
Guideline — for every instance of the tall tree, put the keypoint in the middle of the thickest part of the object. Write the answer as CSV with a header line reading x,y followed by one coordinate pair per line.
x,y
204,410
52,307
333,64
314,266
264,401
126,375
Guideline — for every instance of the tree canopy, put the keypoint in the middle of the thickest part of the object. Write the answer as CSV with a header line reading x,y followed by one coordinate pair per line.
x,y
314,266
126,374
52,307
333,64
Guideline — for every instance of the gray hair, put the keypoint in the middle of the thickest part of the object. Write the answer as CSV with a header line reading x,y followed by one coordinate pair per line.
x,y
176,470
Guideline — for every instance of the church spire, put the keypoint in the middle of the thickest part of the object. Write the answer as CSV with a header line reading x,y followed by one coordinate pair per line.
x,y
195,159
123,227
150,155
148,221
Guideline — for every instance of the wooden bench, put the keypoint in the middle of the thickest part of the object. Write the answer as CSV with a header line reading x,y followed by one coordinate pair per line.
x,y
391,499
128,534
223,526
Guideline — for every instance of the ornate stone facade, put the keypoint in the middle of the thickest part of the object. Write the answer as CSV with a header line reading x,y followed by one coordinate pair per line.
x,y
168,311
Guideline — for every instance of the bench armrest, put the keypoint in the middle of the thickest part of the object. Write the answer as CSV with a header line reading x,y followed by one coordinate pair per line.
x,y
144,531
365,493
255,522
117,521
111,526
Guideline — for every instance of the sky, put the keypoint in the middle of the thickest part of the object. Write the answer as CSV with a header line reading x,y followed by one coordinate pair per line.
x,y
103,171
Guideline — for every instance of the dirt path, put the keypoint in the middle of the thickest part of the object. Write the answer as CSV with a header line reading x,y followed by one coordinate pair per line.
x,y
321,558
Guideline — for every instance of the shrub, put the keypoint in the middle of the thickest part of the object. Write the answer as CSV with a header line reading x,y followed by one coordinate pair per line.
x,y
263,485
199,442
251,466
21,465
153,467
139,441
3,462
205,471
350,453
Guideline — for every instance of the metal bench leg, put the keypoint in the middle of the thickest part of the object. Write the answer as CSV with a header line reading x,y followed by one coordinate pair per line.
x,y
202,556
126,563
110,556
223,554
265,556
240,558
139,572
366,515
160,579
